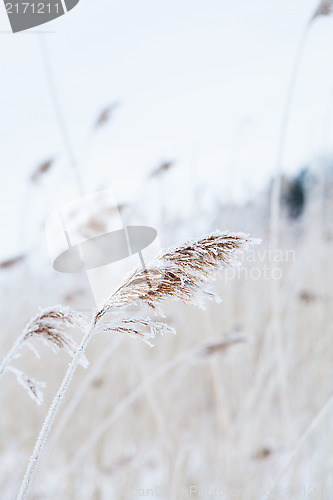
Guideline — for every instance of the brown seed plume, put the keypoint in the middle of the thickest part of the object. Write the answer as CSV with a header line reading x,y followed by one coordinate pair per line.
x,y
183,273
42,169
105,115
325,8
161,169
50,324
6,264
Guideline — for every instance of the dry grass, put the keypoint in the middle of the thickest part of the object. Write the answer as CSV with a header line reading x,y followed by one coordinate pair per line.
x,y
201,408
181,273
50,326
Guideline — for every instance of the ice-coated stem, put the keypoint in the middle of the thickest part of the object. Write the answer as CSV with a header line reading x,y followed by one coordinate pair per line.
x,y
53,410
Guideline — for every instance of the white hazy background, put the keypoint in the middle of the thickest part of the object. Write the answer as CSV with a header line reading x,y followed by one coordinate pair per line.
x,y
201,83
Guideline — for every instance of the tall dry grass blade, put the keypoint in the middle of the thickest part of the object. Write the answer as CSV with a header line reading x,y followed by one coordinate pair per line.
x,y
275,216
60,117
325,8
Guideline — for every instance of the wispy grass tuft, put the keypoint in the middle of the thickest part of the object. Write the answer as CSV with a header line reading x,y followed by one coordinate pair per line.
x,y
49,326
183,273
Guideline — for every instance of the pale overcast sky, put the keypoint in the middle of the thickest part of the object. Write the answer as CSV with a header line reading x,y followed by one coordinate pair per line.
x,y
200,82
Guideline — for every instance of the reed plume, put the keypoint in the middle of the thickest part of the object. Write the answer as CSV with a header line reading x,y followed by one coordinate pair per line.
x,y
325,8
105,115
161,169
8,263
44,167
49,326
183,273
